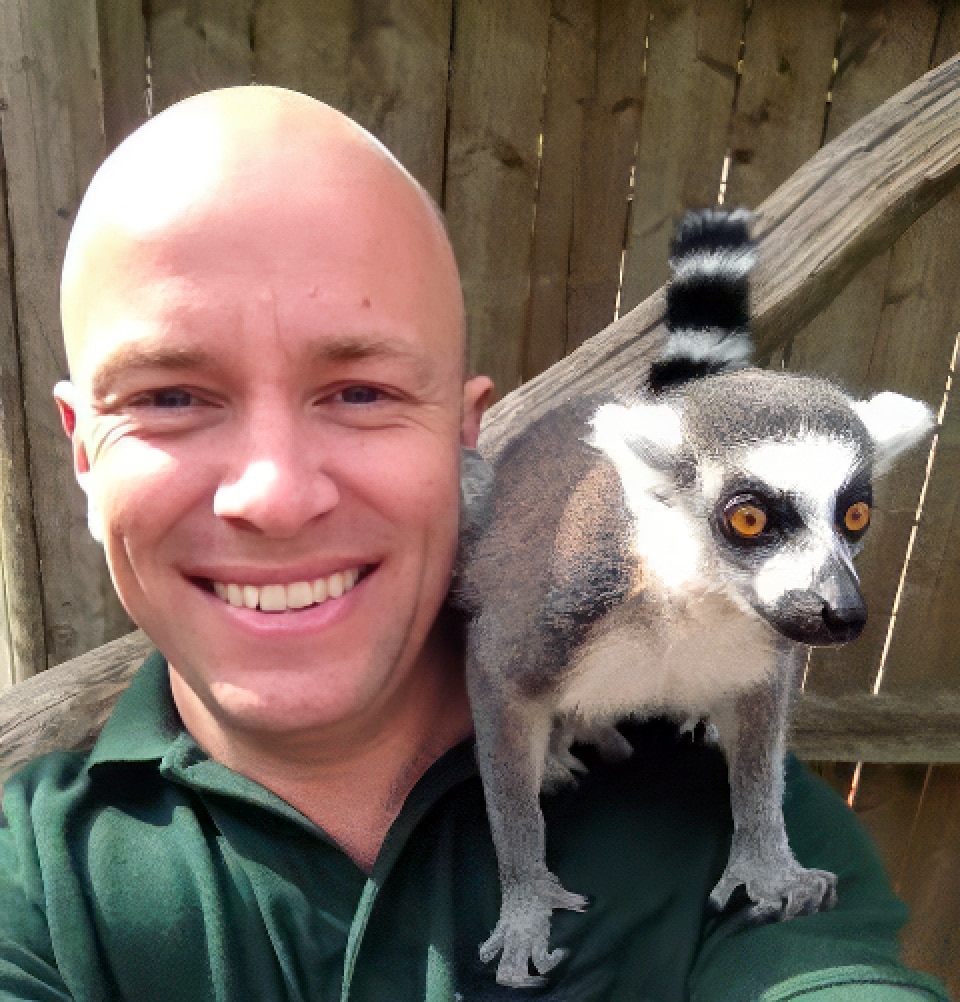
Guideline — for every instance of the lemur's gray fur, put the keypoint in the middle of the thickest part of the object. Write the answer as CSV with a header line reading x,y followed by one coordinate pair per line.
x,y
614,566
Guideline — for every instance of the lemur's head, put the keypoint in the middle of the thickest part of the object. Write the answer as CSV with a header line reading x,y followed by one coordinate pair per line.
x,y
770,475
753,482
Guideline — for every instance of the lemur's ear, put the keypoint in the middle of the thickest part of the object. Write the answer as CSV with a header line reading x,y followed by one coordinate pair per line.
x,y
651,431
895,423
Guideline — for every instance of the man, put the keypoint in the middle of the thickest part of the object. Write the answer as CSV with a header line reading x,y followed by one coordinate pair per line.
x,y
266,339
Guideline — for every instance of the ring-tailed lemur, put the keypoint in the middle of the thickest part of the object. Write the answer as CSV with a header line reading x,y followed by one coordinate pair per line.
x,y
674,553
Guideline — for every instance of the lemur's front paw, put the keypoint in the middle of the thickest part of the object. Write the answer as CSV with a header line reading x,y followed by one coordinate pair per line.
x,y
779,887
523,931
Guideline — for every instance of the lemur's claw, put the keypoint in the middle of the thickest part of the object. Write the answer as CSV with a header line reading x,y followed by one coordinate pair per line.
x,y
781,889
522,934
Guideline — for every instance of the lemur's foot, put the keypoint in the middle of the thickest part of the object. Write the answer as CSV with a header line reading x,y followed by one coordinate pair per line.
x,y
523,932
779,886
560,769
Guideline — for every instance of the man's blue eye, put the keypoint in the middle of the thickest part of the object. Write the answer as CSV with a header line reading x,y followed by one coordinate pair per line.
x,y
360,395
172,398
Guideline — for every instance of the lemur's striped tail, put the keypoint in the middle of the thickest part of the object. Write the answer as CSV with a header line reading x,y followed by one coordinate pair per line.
x,y
707,299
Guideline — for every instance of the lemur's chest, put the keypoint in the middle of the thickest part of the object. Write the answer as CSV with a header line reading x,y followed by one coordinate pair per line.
x,y
682,659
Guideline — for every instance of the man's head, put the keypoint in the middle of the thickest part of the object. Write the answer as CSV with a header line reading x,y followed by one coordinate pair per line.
x,y
265,333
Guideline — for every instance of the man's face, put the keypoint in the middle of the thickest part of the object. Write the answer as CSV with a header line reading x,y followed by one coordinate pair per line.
x,y
270,404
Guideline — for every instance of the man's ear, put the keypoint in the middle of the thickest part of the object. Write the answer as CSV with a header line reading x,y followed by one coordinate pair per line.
x,y
477,393
65,394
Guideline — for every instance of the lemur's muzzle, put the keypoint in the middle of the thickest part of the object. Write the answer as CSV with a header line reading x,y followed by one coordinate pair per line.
x,y
831,612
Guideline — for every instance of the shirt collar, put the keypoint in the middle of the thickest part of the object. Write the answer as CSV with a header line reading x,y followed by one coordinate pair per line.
x,y
145,727
144,723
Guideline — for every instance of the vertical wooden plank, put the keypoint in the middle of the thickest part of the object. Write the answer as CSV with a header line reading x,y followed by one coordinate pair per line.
x,y
197,45
611,131
892,327
398,81
304,45
692,58
887,801
22,642
787,66
925,646
884,47
53,141
930,881
571,77
383,62
496,94
123,61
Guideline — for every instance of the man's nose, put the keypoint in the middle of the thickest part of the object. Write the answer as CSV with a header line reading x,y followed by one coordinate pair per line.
x,y
277,486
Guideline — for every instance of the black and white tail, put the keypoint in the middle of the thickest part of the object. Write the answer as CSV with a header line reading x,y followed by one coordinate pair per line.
x,y
708,310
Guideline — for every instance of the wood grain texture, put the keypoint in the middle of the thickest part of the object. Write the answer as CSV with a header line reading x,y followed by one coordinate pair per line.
x,y
859,727
53,141
497,72
611,131
383,62
925,646
925,649
856,196
930,880
22,640
868,336
570,84
197,45
123,62
787,66
691,78
66,707
887,800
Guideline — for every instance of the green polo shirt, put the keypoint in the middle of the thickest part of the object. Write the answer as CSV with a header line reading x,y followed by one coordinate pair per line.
x,y
146,871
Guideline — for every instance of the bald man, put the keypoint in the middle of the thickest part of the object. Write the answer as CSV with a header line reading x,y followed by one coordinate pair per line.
x,y
267,402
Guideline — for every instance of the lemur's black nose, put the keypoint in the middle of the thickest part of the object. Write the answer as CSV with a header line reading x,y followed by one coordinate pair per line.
x,y
846,622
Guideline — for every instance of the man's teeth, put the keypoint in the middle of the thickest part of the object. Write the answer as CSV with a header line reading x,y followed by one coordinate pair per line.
x,y
279,598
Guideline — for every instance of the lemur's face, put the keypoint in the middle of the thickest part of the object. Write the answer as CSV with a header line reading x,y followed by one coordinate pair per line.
x,y
758,485
786,519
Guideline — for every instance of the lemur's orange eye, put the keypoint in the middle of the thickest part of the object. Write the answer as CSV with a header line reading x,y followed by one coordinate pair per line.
x,y
747,520
857,517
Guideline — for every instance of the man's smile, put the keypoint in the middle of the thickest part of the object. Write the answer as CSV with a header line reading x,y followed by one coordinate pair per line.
x,y
292,596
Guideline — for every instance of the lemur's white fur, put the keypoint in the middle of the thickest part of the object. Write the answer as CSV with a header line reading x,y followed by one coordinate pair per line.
x,y
631,436
895,423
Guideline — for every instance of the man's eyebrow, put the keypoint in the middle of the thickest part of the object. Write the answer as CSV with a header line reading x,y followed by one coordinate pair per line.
x,y
131,357
354,347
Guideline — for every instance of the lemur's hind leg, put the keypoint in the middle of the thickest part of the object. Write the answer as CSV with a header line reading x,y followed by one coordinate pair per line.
x,y
562,766
753,737
512,739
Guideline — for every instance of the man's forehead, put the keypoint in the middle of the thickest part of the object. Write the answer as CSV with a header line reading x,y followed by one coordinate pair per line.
x,y
229,165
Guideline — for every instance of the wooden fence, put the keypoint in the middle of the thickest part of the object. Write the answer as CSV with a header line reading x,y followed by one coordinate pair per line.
x,y
562,138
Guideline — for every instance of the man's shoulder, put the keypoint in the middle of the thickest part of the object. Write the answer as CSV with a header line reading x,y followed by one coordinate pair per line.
x,y
57,776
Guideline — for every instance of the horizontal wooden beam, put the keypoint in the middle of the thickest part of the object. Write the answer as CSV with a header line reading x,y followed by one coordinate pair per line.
x,y
888,727
840,209
65,707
